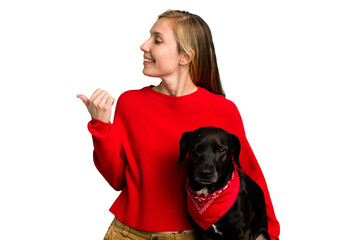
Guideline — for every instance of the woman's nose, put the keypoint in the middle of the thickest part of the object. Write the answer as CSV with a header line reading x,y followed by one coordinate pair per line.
x,y
145,46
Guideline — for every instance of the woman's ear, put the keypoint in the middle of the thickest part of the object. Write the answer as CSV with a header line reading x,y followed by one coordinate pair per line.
x,y
187,58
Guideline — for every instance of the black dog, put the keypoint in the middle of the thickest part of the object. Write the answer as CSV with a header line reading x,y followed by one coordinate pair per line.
x,y
212,154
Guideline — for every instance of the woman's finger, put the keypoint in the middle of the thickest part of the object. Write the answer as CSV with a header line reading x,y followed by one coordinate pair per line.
x,y
105,98
99,99
110,101
83,98
95,94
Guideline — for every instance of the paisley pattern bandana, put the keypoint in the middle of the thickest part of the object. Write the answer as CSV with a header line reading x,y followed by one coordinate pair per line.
x,y
207,209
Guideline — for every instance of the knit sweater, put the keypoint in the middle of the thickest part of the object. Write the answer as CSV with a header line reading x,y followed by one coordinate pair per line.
x,y
137,155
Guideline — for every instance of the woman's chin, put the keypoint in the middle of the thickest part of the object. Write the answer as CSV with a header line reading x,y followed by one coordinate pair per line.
x,y
149,74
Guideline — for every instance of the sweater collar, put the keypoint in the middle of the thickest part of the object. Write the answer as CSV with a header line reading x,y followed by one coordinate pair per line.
x,y
173,100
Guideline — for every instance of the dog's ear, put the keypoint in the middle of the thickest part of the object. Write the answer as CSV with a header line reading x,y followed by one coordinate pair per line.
x,y
235,149
184,146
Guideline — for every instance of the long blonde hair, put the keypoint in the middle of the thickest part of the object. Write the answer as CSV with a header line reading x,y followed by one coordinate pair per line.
x,y
193,34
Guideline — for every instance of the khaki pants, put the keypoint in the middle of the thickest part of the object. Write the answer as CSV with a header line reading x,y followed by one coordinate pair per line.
x,y
119,231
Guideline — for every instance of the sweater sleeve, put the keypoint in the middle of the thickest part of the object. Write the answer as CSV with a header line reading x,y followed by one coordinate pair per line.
x,y
251,167
108,155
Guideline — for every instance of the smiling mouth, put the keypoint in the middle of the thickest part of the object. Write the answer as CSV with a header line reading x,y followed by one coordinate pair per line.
x,y
148,60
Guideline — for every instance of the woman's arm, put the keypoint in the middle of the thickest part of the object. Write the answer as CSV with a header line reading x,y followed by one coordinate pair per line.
x,y
250,166
108,156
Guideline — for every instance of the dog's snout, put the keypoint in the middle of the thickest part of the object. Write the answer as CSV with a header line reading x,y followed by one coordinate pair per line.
x,y
207,171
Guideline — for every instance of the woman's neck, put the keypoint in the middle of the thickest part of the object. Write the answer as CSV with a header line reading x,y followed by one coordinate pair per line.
x,y
178,87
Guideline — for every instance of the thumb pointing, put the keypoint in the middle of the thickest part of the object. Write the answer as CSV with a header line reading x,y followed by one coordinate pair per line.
x,y
83,98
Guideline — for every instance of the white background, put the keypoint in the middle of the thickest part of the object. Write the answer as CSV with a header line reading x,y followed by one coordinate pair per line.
x,y
292,68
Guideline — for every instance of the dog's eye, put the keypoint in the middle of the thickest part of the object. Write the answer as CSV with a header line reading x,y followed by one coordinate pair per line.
x,y
221,150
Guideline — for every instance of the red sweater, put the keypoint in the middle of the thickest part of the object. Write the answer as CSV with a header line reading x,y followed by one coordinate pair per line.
x,y
137,154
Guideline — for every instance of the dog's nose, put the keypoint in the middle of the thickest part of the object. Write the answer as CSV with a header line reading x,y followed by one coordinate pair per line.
x,y
206,171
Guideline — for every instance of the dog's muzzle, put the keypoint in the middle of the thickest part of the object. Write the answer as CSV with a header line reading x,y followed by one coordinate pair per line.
x,y
206,174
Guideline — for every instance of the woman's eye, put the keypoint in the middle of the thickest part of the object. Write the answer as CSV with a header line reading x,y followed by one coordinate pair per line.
x,y
157,41
221,150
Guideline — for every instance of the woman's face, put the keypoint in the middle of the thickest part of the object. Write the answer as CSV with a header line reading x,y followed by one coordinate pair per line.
x,y
161,55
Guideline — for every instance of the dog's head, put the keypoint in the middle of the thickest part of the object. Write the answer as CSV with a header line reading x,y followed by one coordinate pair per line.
x,y
211,152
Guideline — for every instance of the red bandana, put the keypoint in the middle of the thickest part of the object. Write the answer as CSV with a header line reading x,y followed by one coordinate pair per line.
x,y
206,209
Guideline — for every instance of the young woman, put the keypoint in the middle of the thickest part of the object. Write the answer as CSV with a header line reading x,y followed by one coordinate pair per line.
x,y
137,153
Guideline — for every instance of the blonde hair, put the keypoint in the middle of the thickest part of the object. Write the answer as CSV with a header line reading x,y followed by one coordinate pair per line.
x,y
193,35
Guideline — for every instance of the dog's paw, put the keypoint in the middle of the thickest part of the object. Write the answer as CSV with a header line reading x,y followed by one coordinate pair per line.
x,y
262,237
262,234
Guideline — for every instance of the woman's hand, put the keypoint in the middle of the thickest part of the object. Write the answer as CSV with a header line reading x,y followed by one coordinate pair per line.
x,y
99,105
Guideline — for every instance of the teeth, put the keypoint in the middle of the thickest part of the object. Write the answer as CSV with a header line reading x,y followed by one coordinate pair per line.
x,y
147,60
